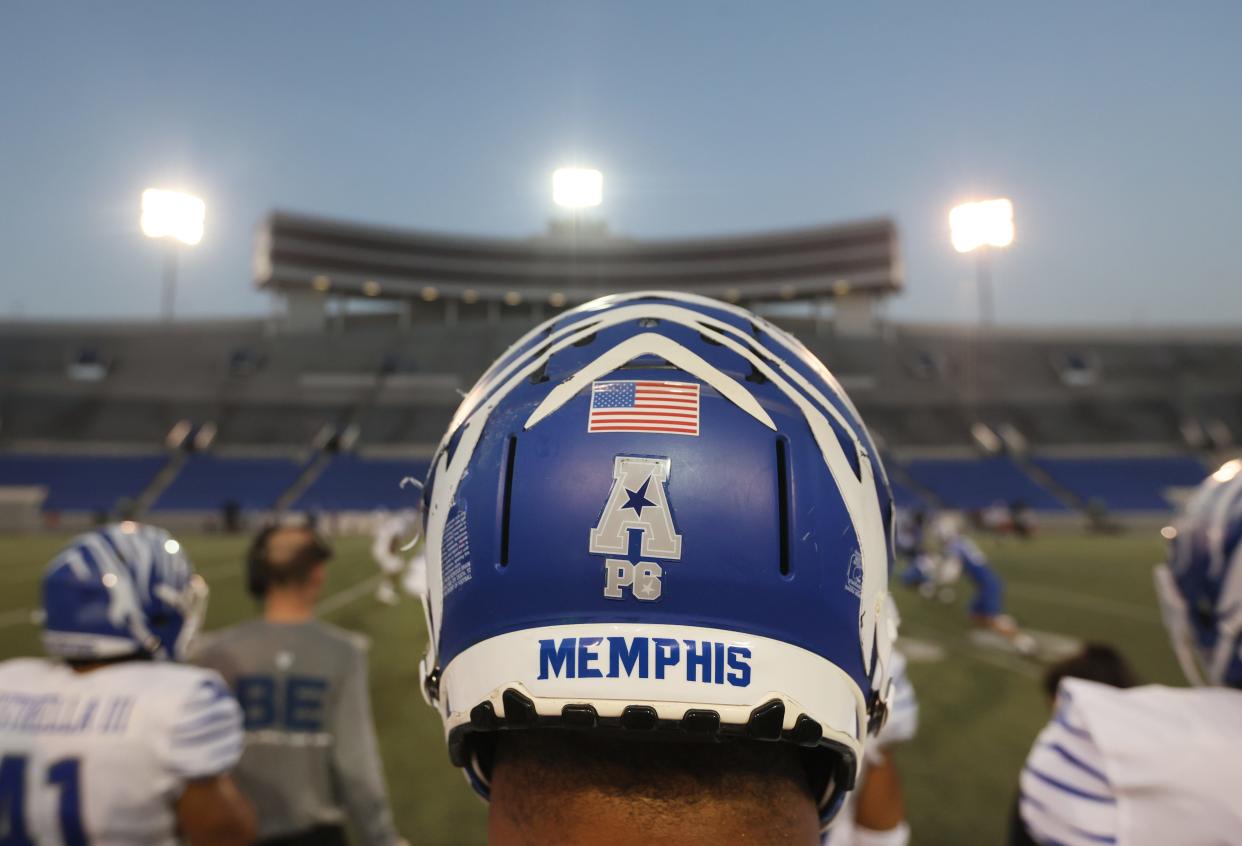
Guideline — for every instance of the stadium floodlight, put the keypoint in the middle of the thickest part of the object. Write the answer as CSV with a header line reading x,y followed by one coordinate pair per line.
x,y
1228,470
577,187
175,218
984,223
171,214
975,226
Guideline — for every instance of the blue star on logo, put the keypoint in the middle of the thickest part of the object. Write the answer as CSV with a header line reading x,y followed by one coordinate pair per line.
x,y
637,500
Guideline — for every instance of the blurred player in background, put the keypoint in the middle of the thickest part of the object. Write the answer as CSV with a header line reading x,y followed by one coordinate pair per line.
x,y
987,609
658,542
117,742
932,573
875,813
401,569
310,759
908,532
1154,765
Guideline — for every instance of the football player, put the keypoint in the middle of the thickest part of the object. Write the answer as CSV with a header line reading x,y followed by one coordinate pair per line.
x,y
1155,765
987,609
658,544
395,534
311,759
114,741
875,813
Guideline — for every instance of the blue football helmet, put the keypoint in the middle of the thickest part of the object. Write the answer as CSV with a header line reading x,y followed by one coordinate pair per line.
x,y
1200,589
123,589
659,512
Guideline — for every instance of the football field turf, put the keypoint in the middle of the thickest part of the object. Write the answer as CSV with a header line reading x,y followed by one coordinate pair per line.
x,y
980,707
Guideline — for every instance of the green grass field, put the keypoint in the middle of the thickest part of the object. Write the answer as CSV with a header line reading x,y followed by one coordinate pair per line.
x,y
980,707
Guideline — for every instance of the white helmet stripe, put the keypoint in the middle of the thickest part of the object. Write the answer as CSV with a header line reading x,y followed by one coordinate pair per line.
x,y
786,340
674,353
1218,524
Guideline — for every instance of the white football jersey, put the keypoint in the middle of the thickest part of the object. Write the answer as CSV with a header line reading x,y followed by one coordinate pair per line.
x,y
101,757
392,531
902,725
1148,766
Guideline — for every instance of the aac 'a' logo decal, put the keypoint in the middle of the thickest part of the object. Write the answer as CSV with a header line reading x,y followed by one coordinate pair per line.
x,y
636,524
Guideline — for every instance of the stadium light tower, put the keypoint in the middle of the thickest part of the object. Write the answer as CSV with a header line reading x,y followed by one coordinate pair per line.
x,y
974,227
176,218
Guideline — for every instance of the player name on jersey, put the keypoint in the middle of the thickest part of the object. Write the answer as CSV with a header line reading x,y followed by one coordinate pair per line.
x,y
703,661
51,713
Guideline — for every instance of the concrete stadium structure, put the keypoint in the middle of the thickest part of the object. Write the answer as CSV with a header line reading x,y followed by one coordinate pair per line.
x,y
312,262
324,409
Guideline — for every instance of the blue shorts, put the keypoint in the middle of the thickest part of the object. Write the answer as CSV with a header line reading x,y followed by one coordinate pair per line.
x,y
989,599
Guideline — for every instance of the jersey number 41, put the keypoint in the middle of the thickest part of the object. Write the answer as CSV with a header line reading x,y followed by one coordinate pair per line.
x,y
63,775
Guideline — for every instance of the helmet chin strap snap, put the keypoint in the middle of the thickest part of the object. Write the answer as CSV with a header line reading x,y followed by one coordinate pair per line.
x,y
431,683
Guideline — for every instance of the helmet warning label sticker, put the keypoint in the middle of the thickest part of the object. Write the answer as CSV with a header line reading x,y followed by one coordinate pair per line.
x,y
455,553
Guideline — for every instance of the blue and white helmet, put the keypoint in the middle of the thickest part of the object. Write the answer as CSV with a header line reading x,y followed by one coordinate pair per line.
x,y
119,590
1200,589
659,512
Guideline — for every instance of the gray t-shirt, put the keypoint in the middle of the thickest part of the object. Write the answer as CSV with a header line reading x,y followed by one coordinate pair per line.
x,y
311,757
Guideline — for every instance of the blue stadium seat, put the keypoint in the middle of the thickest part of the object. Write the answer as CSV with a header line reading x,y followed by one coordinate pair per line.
x,y
81,483
1125,484
905,497
207,482
968,483
351,483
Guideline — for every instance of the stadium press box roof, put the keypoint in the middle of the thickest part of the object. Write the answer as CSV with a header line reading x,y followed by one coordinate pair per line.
x,y
301,254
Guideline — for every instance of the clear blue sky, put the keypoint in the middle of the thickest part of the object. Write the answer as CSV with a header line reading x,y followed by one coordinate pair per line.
x,y
1115,127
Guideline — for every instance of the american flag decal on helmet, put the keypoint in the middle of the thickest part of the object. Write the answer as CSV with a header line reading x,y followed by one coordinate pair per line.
x,y
644,406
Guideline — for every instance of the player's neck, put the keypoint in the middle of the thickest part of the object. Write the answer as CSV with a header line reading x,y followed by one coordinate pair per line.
x,y
83,667
288,607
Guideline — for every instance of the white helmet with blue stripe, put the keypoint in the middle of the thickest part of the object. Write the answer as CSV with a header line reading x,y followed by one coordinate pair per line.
x,y
120,590
659,513
1200,589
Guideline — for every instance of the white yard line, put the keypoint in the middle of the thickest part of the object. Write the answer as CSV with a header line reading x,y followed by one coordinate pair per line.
x,y
959,644
341,598
1114,607
16,617
328,605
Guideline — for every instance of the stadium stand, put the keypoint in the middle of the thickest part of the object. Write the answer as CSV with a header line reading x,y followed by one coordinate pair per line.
x,y
81,482
352,483
972,483
1136,483
907,497
1136,409
267,388
208,482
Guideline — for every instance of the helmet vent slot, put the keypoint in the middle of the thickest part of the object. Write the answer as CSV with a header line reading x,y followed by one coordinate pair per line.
x,y
782,502
506,498
540,375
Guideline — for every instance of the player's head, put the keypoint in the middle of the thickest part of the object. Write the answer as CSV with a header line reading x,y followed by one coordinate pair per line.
x,y
659,515
1200,589
557,786
1097,662
948,528
123,590
287,560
